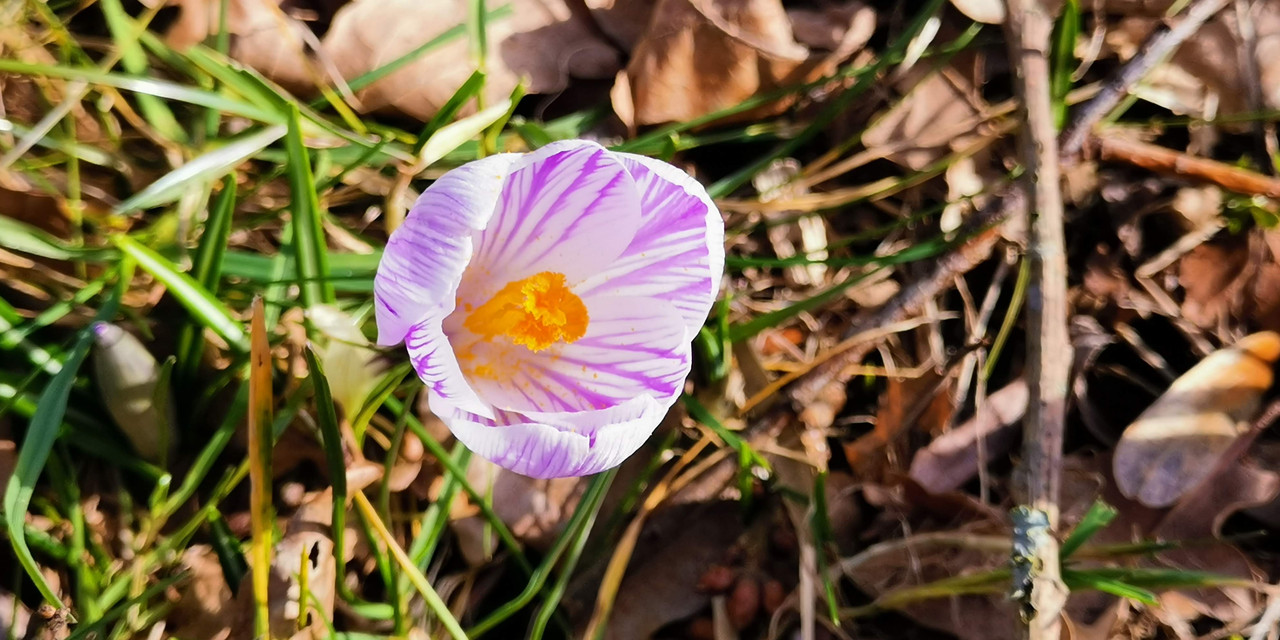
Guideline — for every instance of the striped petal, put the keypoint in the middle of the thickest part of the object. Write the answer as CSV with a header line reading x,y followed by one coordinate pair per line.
x,y
423,263
677,254
556,445
571,207
631,348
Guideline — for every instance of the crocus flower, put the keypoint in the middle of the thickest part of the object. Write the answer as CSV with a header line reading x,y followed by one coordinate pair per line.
x,y
548,301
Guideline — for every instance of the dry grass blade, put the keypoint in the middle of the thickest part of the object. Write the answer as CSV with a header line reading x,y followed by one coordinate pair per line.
x,y
434,603
261,403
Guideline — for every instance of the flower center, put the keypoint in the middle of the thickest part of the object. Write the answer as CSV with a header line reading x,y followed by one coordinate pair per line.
x,y
536,312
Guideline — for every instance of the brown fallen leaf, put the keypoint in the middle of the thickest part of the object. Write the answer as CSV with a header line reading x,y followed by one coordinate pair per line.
x,y
907,403
678,543
698,56
542,41
952,458
1176,443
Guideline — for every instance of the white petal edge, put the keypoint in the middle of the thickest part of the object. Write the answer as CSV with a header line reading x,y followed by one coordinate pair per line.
x,y
425,258
557,445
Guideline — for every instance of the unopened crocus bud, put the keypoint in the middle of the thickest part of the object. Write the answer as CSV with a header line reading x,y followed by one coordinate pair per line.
x,y
128,377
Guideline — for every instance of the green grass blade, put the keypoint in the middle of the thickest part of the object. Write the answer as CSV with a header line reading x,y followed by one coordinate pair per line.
x,y
452,136
124,34
331,439
205,168
20,236
1100,514
147,86
199,302
477,33
206,270
37,444
308,220
592,499
469,89
1063,56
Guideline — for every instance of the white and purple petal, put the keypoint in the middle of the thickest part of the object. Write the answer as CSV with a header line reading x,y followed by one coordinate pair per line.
x,y
425,258
570,207
631,348
677,254
556,445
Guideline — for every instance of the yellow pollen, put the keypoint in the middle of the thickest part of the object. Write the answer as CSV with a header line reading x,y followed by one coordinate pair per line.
x,y
536,312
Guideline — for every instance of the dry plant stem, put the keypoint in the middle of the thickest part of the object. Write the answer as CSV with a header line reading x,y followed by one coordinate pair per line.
x,y
1029,29
1167,161
1157,47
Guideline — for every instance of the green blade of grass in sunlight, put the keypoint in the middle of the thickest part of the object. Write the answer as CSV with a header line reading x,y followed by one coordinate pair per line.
x,y
206,270
147,86
37,444
308,220
199,302
124,33
331,441
205,168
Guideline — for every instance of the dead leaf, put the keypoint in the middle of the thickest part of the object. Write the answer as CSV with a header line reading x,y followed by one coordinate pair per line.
x,y
907,403
939,114
660,586
699,56
1209,276
204,608
542,41
952,459
1176,443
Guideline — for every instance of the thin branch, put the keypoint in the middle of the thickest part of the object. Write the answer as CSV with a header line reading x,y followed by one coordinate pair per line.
x,y
1157,47
1167,161
1029,30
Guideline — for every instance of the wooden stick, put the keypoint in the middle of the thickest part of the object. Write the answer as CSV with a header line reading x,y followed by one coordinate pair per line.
x,y
1041,593
1167,161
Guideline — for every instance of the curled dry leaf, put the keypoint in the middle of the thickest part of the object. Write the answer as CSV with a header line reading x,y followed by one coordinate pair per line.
x,y
698,56
1176,443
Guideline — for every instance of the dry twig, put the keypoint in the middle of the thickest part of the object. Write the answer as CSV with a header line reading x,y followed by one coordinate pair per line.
x,y
1029,29
1158,46
1168,161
